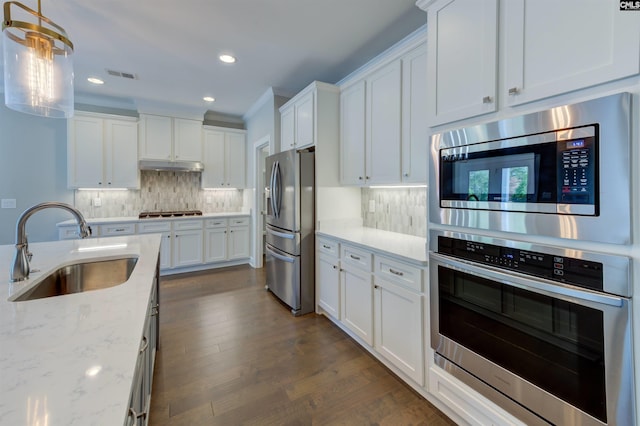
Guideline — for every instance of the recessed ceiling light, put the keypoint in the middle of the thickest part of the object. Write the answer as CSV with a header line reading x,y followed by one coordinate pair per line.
x,y
95,80
208,99
227,59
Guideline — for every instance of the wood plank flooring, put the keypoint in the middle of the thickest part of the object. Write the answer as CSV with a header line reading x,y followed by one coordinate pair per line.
x,y
231,354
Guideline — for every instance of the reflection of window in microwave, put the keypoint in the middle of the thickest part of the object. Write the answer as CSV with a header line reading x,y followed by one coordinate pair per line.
x,y
506,178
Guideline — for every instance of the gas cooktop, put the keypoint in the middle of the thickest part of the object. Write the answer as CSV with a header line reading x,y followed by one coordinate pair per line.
x,y
170,213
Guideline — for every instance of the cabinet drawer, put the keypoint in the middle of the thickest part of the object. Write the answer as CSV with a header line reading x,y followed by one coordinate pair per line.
x,y
215,223
356,257
186,225
329,247
398,272
152,227
239,221
118,229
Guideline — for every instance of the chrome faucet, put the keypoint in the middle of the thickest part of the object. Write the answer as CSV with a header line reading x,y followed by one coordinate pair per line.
x,y
20,268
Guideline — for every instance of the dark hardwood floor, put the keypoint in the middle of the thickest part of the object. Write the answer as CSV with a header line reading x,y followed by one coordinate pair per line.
x,y
230,354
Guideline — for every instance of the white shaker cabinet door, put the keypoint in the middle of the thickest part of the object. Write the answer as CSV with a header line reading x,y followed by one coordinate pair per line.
x,y
328,276
215,245
398,326
554,47
415,131
352,134
462,59
238,240
287,129
85,152
187,248
304,117
187,139
213,175
156,139
357,302
121,160
235,160
383,125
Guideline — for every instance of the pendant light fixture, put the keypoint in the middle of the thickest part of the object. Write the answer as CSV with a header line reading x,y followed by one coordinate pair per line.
x,y
38,67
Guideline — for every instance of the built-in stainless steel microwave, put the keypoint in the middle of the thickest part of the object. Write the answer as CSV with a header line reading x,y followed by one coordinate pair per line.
x,y
562,172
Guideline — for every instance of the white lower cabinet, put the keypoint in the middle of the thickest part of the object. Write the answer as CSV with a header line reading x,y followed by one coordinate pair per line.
x,y
398,327
215,243
187,248
164,228
376,298
226,239
357,292
140,397
328,276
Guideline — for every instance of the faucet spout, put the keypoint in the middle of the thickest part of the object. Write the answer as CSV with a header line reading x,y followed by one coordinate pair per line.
x,y
20,267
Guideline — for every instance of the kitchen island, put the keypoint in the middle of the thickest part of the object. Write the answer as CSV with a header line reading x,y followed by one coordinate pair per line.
x,y
72,359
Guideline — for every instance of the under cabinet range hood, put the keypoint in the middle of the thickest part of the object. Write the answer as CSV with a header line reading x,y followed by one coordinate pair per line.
x,y
171,166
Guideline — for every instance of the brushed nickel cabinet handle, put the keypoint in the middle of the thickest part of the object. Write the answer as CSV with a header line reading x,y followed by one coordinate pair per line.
x,y
354,257
487,100
513,91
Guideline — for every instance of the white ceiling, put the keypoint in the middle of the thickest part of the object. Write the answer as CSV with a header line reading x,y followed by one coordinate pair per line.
x,y
173,46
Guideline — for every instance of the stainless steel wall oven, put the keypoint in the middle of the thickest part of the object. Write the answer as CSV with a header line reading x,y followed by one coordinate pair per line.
x,y
563,172
545,332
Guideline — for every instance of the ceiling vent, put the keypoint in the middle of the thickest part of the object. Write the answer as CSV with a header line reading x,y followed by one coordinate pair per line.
x,y
123,74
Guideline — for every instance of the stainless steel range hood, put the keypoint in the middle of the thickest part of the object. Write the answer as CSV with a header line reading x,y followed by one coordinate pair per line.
x,y
171,166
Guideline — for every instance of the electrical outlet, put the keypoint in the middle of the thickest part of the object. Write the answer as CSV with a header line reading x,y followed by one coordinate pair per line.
x,y
372,206
97,202
8,203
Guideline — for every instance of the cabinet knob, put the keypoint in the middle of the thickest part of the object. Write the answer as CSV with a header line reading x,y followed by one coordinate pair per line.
x,y
99,183
406,175
514,91
335,267
108,183
487,100
375,287
368,178
359,177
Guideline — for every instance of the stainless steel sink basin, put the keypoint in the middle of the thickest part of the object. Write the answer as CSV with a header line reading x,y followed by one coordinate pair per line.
x,y
81,277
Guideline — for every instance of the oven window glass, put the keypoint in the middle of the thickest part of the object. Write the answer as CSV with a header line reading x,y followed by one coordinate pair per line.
x,y
552,343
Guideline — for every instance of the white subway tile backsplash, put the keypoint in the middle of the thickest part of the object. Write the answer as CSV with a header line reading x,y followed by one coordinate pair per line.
x,y
159,191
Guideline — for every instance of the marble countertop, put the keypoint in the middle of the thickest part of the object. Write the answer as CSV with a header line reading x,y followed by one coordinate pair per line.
x,y
105,220
70,360
401,246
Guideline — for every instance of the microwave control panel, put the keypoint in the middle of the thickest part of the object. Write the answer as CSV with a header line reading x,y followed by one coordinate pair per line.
x,y
577,171
578,272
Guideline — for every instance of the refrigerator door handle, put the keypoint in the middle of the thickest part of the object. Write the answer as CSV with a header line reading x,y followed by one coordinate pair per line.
x,y
272,189
279,256
278,189
281,234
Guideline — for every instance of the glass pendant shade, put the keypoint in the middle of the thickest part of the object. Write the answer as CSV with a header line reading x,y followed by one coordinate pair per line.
x,y
38,66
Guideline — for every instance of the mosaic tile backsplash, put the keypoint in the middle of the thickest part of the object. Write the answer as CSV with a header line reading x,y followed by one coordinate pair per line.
x,y
402,210
159,191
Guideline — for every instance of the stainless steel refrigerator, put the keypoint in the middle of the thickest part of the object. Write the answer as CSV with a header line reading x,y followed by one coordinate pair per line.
x,y
290,221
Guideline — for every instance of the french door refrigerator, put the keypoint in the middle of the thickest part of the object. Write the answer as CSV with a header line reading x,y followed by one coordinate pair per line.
x,y
290,221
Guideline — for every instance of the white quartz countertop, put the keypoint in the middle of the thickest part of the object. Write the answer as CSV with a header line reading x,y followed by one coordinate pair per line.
x,y
404,247
105,220
70,360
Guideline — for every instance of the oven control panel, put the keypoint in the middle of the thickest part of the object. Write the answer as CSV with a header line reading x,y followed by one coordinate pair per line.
x,y
578,272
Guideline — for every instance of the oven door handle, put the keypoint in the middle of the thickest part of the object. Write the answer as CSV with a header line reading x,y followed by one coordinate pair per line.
x,y
529,283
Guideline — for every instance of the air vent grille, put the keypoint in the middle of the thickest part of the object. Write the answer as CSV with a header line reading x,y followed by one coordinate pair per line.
x,y
123,74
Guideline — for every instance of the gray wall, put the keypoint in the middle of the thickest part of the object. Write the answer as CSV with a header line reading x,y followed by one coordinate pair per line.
x,y
33,169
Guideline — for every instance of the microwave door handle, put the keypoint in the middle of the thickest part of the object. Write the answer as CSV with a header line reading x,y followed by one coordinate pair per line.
x,y
533,284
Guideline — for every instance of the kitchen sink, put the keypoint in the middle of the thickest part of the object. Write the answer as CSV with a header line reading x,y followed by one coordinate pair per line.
x,y
81,277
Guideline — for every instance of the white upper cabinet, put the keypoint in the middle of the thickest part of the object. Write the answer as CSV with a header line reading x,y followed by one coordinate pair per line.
x,y
224,158
383,130
462,59
383,125
546,48
415,131
552,49
167,138
352,134
102,152
297,122
187,140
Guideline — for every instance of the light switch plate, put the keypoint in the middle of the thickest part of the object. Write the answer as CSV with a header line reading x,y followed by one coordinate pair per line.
x,y
8,203
97,202
372,206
